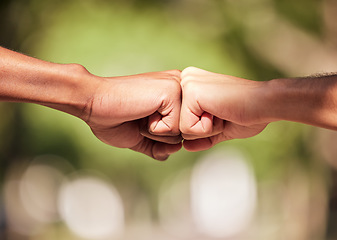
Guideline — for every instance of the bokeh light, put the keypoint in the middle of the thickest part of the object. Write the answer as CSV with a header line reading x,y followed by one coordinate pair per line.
x,y
38,190
31,194
223,194
175,206
91,207
192,195
19,220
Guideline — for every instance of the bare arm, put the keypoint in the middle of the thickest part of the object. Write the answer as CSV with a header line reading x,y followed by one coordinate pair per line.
x,y
140,112
66,87
218,107
311,100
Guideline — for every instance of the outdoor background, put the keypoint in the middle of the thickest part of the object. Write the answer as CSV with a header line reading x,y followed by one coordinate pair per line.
x,y
59,182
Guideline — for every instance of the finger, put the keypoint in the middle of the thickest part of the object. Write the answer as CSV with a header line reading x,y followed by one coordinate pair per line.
x,y
163,125
165,121
156,150
204,143
194,71
144,131
198,144
194,121
161,151
169,74
165,139
174,72
122,136
231,131
217,128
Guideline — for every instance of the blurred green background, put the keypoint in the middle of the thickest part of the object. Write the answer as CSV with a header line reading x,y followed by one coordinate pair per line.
x,y
254,39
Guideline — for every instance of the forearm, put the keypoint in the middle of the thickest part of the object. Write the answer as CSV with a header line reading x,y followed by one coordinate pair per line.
x,y
311,100
66,87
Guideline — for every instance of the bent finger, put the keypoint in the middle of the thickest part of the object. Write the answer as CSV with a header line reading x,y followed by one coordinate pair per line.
x,y
204,143
165,121
217,128
164,139
195,123
157,150
163,125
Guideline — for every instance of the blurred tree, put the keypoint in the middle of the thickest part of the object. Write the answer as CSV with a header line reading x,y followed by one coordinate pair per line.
x,y
19,20
305,14
22,19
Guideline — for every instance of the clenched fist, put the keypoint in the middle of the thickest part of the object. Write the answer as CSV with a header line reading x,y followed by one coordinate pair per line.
x,y
217,107
140,112
152,112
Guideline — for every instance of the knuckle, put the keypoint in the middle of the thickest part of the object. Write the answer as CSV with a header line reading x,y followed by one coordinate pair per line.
x,y
176,79
175,72
185,130
187,81
189,70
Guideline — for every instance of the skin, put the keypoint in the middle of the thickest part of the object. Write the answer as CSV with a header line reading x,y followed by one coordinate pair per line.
x,y
151,112
140,112
217,107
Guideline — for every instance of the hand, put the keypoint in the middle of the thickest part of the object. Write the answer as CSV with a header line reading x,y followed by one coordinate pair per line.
x,y
139,112
143,112
217,107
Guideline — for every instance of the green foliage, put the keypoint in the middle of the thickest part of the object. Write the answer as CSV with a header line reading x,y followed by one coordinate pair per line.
x,y
306,14
118,38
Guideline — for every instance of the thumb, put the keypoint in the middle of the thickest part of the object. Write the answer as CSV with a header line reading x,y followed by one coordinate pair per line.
x,y
194,122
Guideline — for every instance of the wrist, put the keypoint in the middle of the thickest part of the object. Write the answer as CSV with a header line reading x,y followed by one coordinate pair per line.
x,y
66,87
72,91
277,100
259,110
296,99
